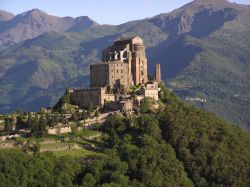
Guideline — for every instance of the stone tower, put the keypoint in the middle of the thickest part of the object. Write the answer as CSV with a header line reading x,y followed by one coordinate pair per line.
x,y
157,73
132,52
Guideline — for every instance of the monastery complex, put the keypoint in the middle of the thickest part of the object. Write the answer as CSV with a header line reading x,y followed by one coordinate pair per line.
x,y
122,70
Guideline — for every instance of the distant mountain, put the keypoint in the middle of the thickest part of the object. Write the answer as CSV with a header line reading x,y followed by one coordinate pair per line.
x,y
35,22
203,48
4,16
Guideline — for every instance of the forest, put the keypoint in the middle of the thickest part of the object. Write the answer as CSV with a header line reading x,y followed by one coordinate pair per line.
x,y
176,145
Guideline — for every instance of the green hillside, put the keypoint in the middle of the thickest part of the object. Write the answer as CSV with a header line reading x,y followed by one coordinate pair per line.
x,y
33,73
215,69
178,145
203,49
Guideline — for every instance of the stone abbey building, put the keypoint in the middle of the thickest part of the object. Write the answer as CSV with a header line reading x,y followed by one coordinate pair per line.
x,y
124,64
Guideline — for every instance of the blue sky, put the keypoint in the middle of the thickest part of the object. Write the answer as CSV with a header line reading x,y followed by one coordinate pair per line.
x,y
102,11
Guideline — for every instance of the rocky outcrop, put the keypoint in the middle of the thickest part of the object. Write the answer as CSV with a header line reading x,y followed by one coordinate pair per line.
x,y
198,23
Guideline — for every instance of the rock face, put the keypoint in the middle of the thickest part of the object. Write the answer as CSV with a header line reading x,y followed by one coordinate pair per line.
x,y
35,22
199,18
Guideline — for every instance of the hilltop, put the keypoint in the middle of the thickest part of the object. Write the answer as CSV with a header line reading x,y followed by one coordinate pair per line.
x,y
202,47
177,145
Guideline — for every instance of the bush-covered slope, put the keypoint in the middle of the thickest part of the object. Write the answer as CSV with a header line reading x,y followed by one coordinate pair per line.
x,y
203,49
213,152
178,145
216,69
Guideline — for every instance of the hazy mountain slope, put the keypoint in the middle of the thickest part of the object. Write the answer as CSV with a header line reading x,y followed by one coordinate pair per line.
x,y
203,48
4,16
35,73
36,22
82,23
213,66
206,70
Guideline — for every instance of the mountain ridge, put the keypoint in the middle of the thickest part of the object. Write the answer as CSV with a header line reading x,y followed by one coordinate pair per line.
x,y
4,15
35,22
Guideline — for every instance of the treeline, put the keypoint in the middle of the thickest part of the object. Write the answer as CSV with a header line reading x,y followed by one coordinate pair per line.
x,y
39,122
21,170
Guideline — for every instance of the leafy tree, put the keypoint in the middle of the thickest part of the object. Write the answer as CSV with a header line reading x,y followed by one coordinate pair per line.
x,y
42,126
106,171
19,122
90,109
84,115
74,117
35,126
88,180
36,148
7,125
29,121
146,105
148,124
56,117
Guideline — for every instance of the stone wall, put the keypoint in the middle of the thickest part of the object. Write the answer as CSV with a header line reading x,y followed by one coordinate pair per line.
x,y
96,96
113,74
59,130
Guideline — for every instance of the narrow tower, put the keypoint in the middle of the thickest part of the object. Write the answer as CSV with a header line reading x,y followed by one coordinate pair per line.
x,y
157,73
